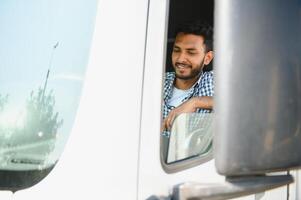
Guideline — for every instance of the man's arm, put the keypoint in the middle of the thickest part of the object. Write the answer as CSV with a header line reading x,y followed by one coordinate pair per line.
x,y
203,102
190,106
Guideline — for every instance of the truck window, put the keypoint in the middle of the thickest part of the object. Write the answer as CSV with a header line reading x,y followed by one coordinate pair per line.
x,y
44,51
187,109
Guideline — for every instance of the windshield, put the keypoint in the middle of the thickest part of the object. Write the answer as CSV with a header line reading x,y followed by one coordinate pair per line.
x,y
44,52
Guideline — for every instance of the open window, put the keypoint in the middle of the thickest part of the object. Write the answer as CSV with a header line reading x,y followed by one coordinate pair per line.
x,y
188,142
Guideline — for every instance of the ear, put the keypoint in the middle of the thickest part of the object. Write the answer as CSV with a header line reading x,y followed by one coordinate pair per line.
x,y
208,57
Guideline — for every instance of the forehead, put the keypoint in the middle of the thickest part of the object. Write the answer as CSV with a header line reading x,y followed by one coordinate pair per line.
x,y
189,41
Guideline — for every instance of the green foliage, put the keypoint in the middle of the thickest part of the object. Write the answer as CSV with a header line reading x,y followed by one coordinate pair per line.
x,y
3,101
36,126
40,115
39,121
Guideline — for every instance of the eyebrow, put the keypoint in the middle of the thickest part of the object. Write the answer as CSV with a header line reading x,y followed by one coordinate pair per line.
x,y
188,49
191,49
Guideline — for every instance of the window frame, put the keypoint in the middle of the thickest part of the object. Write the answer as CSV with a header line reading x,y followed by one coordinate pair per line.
x,y
189,162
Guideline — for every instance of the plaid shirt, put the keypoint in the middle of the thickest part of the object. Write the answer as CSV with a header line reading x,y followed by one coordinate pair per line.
x,y
203,87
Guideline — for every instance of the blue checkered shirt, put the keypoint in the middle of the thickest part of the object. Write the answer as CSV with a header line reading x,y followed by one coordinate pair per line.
x,y
203,87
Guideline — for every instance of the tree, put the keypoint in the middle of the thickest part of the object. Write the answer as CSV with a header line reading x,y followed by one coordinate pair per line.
x,y
41,121
3,101
38,129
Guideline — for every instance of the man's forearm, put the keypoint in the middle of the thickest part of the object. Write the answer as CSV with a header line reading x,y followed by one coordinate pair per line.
x,y
204,102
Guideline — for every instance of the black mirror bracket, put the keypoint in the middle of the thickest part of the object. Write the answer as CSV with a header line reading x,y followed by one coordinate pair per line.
x,y
232,187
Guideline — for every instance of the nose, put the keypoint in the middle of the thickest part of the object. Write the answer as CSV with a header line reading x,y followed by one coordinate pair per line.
x,y
181,57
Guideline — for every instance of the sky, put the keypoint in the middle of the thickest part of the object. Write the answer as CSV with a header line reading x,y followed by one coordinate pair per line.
x,y
29,30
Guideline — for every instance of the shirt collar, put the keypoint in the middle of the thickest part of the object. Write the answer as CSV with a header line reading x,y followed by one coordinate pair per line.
x,y
169,84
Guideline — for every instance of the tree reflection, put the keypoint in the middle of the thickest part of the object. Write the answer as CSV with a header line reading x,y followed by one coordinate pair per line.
x,y
3,101
40,120
31,133
40,117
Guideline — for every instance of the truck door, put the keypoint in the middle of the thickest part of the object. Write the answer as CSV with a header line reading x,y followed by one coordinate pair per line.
x,y
257,110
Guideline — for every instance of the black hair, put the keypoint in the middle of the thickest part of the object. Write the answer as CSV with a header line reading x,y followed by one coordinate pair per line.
x,y
200,28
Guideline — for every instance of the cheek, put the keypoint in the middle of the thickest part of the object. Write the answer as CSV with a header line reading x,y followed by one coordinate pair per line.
x,y
197,62
173,58
201,60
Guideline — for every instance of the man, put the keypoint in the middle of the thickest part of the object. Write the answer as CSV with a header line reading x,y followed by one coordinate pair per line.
x,y
189,89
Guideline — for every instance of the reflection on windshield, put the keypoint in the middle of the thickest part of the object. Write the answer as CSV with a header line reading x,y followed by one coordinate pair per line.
x,y
43,61
28,135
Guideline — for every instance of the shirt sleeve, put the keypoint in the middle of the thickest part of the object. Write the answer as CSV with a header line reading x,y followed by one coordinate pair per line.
x,y
207,84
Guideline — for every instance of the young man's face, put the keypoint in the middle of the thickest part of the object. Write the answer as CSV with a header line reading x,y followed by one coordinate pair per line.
x,y
189,56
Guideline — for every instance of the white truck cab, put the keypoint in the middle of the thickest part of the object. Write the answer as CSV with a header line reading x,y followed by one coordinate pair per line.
x,y
81,102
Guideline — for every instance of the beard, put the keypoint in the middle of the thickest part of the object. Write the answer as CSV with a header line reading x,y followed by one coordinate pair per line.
x,y
194,73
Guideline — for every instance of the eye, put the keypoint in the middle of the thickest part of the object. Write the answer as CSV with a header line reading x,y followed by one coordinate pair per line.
x,y
176,50
191,53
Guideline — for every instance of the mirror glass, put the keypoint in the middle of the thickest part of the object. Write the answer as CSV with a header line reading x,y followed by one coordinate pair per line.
x,y
191,135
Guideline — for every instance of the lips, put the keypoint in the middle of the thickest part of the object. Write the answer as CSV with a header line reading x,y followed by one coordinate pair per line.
x,y
182,66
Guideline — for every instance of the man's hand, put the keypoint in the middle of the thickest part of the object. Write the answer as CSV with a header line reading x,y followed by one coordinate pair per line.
x,y
189,106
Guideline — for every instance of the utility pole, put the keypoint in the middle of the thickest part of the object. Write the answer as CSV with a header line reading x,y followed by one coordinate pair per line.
x,y
49,67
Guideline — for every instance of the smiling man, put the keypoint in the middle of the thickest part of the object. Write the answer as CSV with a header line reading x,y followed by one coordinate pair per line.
x,y
189,89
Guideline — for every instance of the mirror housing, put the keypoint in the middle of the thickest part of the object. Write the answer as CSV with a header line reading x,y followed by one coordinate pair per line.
x,y
258,86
